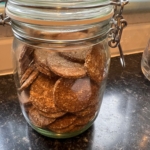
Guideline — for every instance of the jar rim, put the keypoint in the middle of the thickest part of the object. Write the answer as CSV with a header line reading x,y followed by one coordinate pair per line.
x,y
57,3
60,23
60,14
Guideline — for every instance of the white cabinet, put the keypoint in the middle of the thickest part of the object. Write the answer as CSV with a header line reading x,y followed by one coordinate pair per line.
x,y
5,56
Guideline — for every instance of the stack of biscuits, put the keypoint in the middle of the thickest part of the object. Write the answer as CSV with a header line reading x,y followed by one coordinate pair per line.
x,y
60,90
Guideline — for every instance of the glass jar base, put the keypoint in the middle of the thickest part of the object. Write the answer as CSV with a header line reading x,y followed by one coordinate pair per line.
x,y
59,136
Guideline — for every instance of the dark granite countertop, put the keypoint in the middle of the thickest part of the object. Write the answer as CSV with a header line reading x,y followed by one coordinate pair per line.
x,y
123,122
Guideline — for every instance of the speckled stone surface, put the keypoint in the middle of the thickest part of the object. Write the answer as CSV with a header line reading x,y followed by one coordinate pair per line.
x,y
123,122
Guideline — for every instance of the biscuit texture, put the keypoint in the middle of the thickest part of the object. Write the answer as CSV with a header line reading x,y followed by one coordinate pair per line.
x,y
29,80
77,53
72,95
52,115
27,73
25,58
65,68
95,63
63,122
39,120
41,94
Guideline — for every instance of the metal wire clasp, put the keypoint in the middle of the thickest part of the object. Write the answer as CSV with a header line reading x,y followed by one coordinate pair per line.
x,y
3,18
118,23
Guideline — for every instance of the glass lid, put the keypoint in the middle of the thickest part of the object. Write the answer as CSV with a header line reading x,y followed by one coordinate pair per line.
x,y
58,3
59,12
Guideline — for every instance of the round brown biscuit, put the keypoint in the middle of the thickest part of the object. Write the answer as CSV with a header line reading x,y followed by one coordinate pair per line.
x,y
77,128
24,56
95,63
24,64
23,52
29,80
65,68
63,122
72,95
40,56
44,70
77,53
64,130
96,93
41,94
52,115
27,73
39,120
43,80
84,120
26,51
71,128
35,91
44,104
87,111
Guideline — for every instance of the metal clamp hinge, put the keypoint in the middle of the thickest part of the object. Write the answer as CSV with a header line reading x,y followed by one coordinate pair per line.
x,y
118,23
4,20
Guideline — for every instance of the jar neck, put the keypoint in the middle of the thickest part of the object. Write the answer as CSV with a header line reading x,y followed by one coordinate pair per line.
x,y
92,33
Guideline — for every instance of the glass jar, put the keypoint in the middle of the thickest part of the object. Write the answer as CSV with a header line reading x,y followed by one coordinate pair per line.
x,y
61,62
145,61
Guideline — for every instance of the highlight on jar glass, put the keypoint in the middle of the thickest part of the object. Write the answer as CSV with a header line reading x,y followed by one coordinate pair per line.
x,y
145,62
61,60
